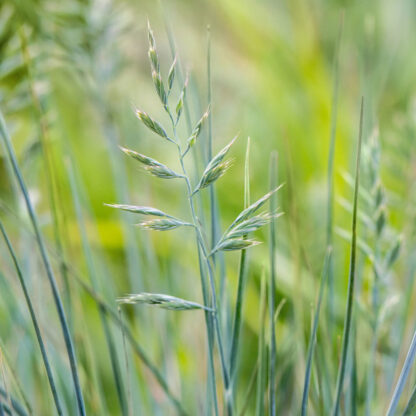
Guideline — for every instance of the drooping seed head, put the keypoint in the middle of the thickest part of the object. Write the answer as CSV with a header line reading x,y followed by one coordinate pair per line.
x,y
140,210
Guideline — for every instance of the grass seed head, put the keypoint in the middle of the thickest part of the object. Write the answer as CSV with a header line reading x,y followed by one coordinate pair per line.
x,y
252,209
160,88
197,129
151,124
235,244
160,300
152,166
164,224
140,210
211,175
171,74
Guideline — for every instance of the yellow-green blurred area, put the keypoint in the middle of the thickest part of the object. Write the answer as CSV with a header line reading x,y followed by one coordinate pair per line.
x,y
73,72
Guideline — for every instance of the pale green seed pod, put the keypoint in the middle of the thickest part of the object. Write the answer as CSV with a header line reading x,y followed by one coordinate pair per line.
x,y
164,224
197,129
171,74
151,124
140,210
152,166
235,244
249,211
160,88
212,174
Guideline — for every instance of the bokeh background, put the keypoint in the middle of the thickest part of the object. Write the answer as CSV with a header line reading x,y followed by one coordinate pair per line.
x,y
71,74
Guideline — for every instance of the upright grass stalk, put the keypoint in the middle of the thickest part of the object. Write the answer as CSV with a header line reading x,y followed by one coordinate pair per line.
x,y
351,277
205,293
34,320
48,267
330,174
212,200
354,381
217,258
312,341
205,253
272,289
214,209
262,355
241,280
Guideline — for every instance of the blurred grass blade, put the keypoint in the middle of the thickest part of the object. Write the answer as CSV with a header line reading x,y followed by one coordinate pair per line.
x,y
162,301
330,177
351,277
48,267
411,404
16,406
262,356
34,321
312,340
411,354
272,289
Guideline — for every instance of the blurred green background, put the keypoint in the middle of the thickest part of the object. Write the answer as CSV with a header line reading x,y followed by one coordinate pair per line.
x,y
73,71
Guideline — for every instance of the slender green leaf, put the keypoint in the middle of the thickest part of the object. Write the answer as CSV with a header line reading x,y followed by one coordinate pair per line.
x,y
351,278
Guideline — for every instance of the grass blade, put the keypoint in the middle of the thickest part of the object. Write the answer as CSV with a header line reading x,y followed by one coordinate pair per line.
x,y
16,406
262,357
45,259
312,341
411,404
330,177
241,278
34,321
411,354
136,347
351,277
272,253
